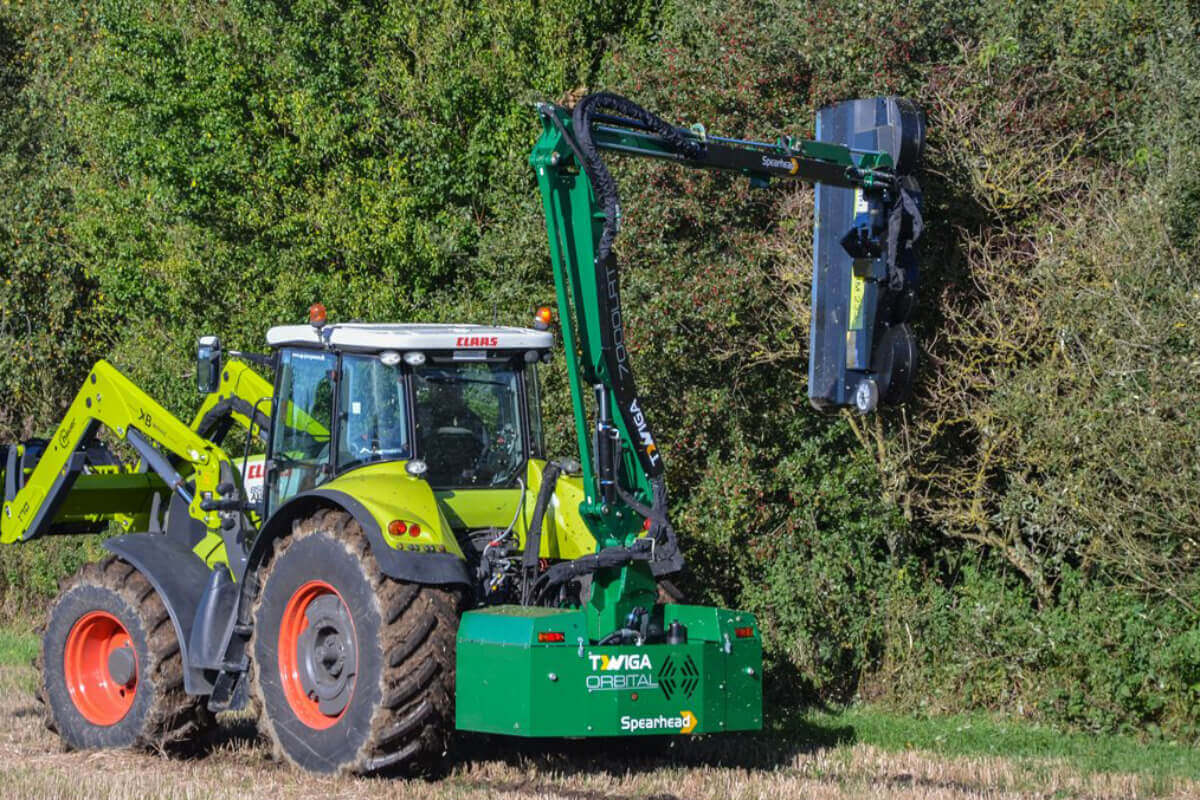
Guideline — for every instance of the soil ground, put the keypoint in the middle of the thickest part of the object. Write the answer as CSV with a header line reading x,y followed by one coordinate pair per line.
x,y
828,762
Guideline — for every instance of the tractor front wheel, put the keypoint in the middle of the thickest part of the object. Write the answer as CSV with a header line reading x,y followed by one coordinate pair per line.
x,y
111,671
354,670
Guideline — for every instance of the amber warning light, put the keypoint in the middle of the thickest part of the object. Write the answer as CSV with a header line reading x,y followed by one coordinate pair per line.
x,y
316,315
543,317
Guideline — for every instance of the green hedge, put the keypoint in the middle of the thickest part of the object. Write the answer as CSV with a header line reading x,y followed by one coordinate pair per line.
x,y
1022,537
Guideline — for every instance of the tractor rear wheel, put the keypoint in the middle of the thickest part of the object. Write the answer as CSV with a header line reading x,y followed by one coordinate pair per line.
x,y
354,671
110,666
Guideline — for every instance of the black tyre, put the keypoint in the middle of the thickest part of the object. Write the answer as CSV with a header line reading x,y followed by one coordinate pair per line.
x,y
110,665
354,671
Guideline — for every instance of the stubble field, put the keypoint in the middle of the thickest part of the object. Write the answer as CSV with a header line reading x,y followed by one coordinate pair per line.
x,y
850,755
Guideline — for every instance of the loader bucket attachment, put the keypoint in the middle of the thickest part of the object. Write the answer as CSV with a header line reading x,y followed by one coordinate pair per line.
x,y
862,350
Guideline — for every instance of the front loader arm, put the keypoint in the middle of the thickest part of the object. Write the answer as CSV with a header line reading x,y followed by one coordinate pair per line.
x,y
111,400
242,396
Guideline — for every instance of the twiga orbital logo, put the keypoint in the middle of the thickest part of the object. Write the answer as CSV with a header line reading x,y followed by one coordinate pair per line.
x,y
612,673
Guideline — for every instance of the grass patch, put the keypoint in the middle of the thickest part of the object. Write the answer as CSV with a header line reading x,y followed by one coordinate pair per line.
x,y
982,734
17,647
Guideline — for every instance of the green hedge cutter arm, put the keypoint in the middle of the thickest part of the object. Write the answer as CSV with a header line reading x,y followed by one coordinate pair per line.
x,y
622,465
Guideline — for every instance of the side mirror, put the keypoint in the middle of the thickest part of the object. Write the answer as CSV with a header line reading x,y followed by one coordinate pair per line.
x,y
208,364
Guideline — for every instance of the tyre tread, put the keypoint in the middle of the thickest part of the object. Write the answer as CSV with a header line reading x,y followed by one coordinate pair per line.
x,y
411,724
174,715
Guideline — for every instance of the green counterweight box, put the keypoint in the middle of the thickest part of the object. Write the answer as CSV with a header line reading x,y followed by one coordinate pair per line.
x,y
526,671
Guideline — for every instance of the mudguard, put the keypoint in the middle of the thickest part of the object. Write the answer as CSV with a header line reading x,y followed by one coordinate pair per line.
x,y
180,579
375,495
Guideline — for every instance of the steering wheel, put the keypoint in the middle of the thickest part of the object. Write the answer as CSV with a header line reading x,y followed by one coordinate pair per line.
x,y
453,450
450,430
502,454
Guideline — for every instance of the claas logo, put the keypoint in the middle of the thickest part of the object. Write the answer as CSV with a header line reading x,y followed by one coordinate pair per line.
x,y
476,341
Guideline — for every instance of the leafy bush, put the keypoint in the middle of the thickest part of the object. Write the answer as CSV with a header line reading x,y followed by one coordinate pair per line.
x,y
1101,658
1023,536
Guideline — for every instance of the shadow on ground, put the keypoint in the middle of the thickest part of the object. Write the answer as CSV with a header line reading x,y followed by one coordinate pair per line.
x,y
794,737
646,753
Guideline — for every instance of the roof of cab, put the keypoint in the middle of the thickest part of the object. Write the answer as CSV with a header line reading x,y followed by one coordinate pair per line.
x,y
373,337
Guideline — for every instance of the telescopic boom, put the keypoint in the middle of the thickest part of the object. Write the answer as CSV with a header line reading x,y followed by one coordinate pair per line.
x,y
622,465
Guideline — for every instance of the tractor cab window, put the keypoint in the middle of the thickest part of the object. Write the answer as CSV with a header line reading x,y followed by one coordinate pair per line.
x,y
468,419
300,435
537,439
374,413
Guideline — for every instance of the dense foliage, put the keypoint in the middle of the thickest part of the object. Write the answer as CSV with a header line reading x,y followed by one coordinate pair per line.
x,y
1022,536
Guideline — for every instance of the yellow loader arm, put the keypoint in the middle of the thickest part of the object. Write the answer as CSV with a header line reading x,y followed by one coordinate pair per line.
x,y
61,488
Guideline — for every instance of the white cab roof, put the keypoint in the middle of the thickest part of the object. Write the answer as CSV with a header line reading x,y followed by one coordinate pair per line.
x,y
372,337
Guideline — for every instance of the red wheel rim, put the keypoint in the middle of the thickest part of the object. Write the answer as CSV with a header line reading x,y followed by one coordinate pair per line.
x,y
300,657
96,642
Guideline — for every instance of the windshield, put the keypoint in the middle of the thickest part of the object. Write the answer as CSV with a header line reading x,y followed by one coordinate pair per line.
x,y
469,423
374,413
303,418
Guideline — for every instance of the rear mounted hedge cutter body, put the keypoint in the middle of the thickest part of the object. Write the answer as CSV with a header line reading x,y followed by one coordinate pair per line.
x,y
402,480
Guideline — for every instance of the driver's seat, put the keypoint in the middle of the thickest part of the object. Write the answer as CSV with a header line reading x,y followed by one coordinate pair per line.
x,y
451,454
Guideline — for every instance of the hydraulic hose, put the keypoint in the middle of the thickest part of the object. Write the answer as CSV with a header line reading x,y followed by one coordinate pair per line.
x,y
616,356
602,180
533,538
612,333
558,574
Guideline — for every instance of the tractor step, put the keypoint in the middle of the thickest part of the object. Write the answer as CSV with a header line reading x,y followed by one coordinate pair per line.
x,y
532,672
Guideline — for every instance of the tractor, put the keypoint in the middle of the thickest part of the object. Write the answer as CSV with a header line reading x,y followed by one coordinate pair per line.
x,y
393,556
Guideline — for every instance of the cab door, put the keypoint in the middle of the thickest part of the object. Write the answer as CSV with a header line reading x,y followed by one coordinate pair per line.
x,y
301,452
